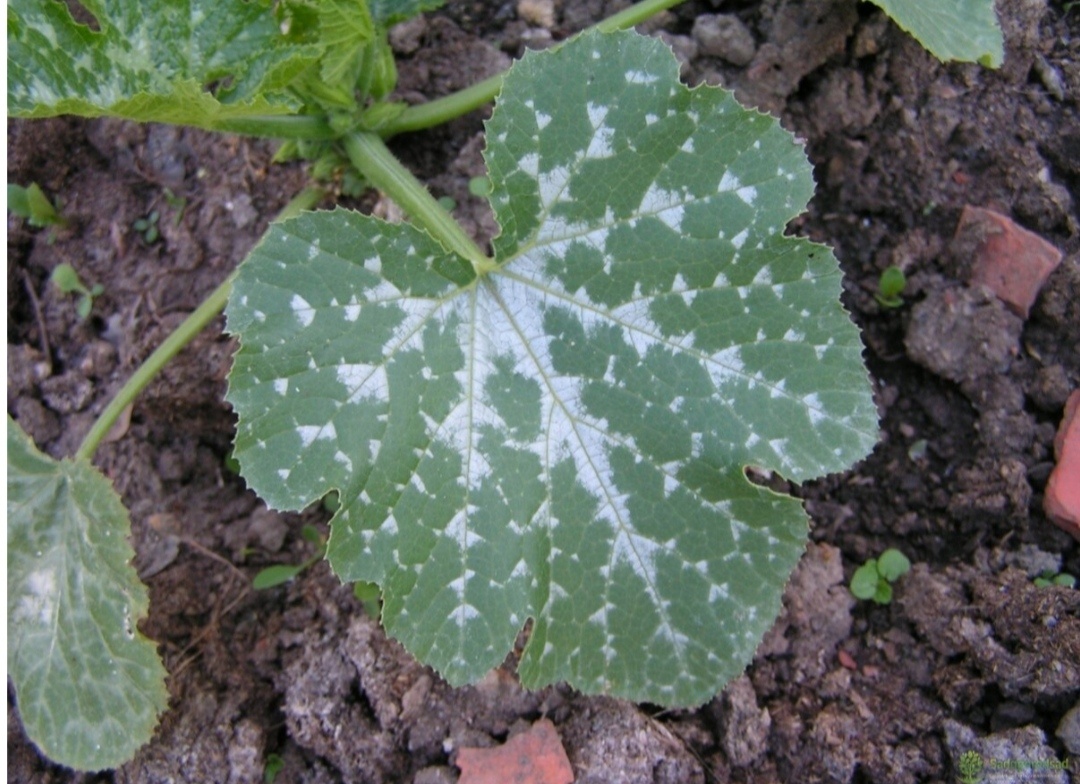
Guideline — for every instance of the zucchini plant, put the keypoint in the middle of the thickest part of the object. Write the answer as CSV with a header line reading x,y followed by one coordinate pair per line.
x,y
555,435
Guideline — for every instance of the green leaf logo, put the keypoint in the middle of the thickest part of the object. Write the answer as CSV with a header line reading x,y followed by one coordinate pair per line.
x,y
970,767
564,438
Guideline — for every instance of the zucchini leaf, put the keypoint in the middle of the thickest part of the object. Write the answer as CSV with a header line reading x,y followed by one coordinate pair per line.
x,y
564,438
89,686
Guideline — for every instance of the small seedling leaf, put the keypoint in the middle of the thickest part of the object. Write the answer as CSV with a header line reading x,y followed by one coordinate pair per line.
x,y
67,279
151,60
278,574
883,594
864,582
893,564
32,203
564,438
89,686
964,30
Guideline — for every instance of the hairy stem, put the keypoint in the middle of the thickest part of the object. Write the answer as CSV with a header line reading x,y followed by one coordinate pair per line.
x,y
280,126
370,155
180,337
442,110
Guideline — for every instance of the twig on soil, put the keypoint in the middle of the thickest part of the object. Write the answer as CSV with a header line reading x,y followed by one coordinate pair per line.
x,y
36,305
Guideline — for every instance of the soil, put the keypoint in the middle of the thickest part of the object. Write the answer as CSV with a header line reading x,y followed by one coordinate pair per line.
x,y
969,653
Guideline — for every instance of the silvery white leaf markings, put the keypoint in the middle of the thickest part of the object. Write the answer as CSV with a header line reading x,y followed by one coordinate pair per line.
x,y
564,439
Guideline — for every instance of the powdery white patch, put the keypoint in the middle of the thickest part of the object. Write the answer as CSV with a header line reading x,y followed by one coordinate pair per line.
x,y
552,185
363,381
281,385
814,408
38,603
530,164
729,182
352,310
666,205
344,460
740,239
748,194
309,434
634,76
302,310
542,120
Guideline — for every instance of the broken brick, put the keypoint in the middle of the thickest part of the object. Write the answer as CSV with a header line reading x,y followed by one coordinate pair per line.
x,y
1062,500
1011,261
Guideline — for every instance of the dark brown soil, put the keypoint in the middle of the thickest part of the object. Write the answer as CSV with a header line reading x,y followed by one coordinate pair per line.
x,y
969,652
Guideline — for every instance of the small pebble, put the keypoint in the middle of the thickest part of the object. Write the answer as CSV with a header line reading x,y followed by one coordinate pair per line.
x,y
726,37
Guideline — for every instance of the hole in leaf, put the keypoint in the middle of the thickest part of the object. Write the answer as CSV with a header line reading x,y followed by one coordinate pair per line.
x,y
82,15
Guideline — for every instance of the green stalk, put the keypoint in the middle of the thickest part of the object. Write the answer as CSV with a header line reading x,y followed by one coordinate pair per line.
x,y
280,126
373,159
447,108
180,337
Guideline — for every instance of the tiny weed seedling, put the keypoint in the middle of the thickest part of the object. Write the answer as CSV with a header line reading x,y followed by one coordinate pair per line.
x,y
890,286
279,574
32,204
148,227
555,435
874,579
1050,578
65,278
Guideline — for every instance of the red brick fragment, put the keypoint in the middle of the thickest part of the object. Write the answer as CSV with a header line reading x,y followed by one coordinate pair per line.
x,y
1062,500
535,756
1011,261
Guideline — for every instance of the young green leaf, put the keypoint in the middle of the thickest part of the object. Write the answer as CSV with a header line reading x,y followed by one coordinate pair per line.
x,y
964,30
893,564
864,582
89,685
564,438
151,60
32,203
278,574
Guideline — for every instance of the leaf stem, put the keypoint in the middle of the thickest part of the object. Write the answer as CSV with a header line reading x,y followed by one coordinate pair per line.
x,y
373,159
280,126
180,337
444,109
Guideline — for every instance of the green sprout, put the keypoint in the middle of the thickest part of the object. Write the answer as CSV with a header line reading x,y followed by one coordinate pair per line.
x,y
274,765
148,227
68,281
32,204
279,574
873,580
1049,577
178,204
890,287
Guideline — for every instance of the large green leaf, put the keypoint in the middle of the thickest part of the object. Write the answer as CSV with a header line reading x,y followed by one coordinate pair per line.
x,y
151,60
89,685
964,30
564,438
